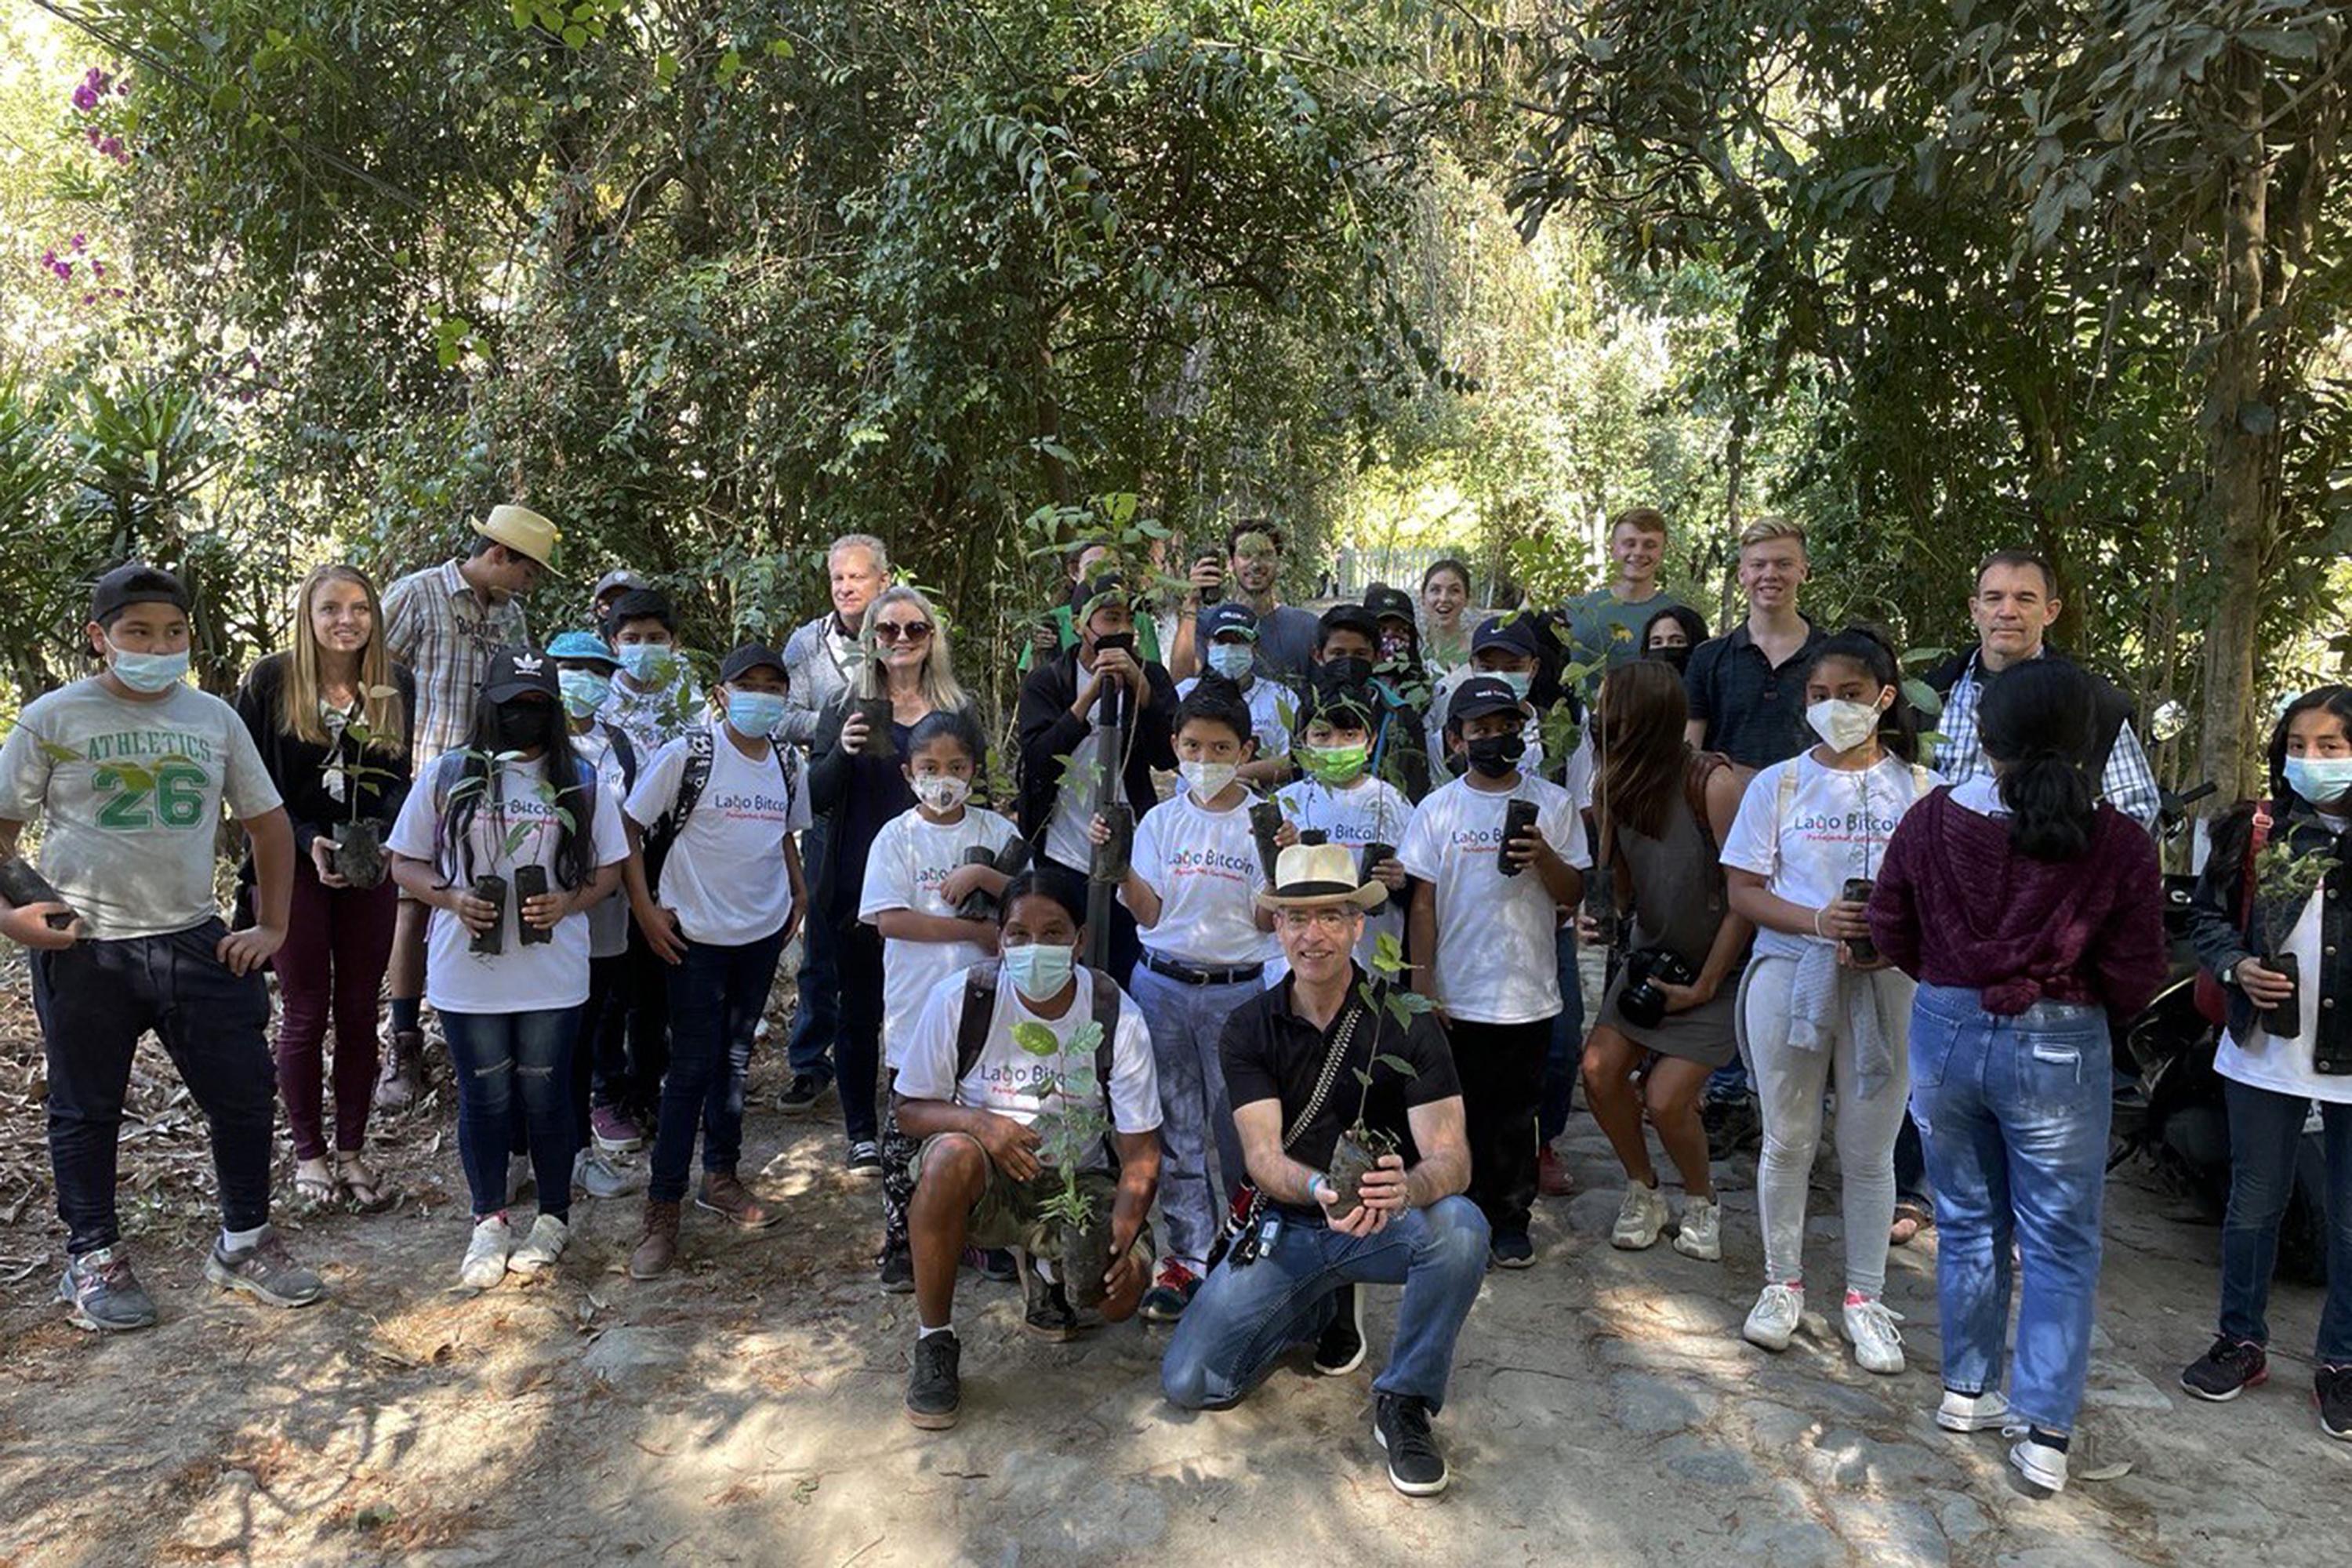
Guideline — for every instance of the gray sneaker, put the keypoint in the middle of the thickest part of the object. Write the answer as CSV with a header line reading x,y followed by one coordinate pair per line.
x,y
599,1175
100,1292
266,1272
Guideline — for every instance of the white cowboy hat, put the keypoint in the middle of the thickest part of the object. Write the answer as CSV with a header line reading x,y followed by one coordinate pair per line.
x,y
1319,876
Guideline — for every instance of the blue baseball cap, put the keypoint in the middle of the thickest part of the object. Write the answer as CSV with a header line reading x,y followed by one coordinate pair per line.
x,y
582,645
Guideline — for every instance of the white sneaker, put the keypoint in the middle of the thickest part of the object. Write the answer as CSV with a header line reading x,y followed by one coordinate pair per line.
x,y
594,1173
1959,1413
520,1178
541,1247
1639,1218
2044,1466
1877,1342
1778,1309
1700,1236
486,1253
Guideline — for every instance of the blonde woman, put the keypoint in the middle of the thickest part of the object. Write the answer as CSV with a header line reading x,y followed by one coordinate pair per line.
x,y
332,716
856,785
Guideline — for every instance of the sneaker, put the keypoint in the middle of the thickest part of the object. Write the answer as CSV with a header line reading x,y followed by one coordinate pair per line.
x,y
934,1389
897,1271
2332,1387
265,1271
656,1247
2044,1466
1400,1425
1778,1309
800,1094
1700,1235
1877,1342
1170,1293
2227,1370
402,1078
1046,1314
595,1174
1983,1412
487,1254
990,1263
614,1131
865,1158
723,1192
521,1177
100,1292
1639,1218
1552,1180
1341,1349
548,1238
1511,1251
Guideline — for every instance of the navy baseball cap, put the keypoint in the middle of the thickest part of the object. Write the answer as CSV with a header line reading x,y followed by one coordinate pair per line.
x,y
1225,618
1516,632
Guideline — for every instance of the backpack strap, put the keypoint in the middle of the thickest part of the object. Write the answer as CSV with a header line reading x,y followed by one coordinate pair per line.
x,y
2258,835
690,785
971,1023
626,751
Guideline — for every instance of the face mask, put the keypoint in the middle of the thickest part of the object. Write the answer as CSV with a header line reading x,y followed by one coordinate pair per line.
x,y
585,691
1232,660
943,793
755,713
1843,725
1495,755
1348,671
648,663
1206,780
1677,657
1520,681
1334,765
1395,645
1040,970
2322,781
148,672
518,726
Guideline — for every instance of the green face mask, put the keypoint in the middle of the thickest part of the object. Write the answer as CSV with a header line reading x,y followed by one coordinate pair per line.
x,y
1334,765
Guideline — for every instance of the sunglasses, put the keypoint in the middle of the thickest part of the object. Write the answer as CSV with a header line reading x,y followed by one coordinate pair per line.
x,y
897,631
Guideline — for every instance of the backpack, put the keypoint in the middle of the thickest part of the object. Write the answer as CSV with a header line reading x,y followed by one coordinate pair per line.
x,y
980,1010
701,747
2212,1000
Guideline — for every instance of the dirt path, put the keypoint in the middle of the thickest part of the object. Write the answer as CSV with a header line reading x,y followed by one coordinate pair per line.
x,y
746,1410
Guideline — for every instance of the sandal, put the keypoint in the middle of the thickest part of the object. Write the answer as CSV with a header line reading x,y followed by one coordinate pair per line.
x,y
1910,1219
366,1187
314,1185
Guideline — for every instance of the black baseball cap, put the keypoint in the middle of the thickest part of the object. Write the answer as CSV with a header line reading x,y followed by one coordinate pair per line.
x,y
1389,604
749,657
518,672
1347,617
1516,632
134,583
1481,695
1227,617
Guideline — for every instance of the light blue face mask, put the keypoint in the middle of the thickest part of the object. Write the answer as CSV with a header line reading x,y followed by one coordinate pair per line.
x,y
585,691
755,713
1520,681
648,663
1040,970
2322,781
1232,660
148,672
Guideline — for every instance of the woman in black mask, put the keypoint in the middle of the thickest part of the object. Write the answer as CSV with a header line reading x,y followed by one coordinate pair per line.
x,y
1671,634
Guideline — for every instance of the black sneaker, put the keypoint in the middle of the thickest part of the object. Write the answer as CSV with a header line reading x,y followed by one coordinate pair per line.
x,y
897,1270
1341,1349
1416,1465
1048,1314
865,1158
934,1389
265,1271
1513,1251
2332,1386
100,1292
800,1094
2228,1370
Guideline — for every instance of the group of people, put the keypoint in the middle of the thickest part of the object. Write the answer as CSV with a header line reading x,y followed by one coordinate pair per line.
x,y
1261,986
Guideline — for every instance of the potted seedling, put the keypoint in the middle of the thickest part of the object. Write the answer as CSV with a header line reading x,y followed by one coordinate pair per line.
x,y
359,841
1077,1125
1360,1147
2285,882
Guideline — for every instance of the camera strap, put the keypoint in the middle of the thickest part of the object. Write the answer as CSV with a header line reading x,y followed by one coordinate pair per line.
x,y
1248,1207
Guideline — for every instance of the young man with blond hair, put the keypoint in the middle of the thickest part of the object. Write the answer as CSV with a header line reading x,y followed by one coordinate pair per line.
x,y
1747,688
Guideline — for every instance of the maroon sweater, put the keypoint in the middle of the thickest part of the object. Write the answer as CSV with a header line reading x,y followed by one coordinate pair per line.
x,y
1955,905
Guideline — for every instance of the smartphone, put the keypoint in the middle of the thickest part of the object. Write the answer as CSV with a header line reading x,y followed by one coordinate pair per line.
x,y
1519,816
1857,890
530,882
1216,590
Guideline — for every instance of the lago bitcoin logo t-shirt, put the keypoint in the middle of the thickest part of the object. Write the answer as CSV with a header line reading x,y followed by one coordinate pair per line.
x,y
724,875
909,860
1205,867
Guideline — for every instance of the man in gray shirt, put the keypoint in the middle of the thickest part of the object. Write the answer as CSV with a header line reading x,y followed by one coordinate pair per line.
x,y
1285,634
1605,626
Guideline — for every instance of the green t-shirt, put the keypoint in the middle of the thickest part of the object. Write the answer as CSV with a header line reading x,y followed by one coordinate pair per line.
x,y
1601,626
1065,627
130,797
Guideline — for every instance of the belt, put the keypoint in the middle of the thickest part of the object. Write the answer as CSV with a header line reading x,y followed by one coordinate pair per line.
x,y
1188,975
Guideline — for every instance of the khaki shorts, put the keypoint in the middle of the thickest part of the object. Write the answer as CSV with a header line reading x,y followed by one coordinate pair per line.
x,y
1012,1214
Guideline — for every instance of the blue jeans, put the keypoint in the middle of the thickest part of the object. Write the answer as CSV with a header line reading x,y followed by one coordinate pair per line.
x,y
1566,1057
1246,1318
817,1017
1186,1023
502,1058
715,996
2013,1113
2265,1134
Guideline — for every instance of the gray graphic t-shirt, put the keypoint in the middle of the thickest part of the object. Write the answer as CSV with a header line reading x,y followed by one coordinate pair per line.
x,y
130,797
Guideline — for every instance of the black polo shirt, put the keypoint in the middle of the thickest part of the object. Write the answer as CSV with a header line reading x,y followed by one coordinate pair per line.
x,y
1271,1053
1754,712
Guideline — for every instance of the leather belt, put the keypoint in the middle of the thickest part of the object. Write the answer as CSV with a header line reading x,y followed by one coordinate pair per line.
x,y
1187,975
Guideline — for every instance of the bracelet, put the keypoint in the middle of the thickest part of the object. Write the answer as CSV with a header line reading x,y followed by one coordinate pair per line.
x,y
1817,924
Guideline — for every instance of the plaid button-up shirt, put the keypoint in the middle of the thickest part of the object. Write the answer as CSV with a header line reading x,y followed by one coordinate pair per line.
x,y
433,624
2128,784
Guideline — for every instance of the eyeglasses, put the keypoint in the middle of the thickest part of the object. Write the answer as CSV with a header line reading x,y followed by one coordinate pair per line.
x,y
901,631
1334,918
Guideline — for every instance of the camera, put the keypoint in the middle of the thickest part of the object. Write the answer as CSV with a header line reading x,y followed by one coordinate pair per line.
x,y
1642,1004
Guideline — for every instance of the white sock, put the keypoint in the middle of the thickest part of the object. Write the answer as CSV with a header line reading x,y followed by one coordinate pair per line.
x,y
243,1240
924,1332
1044,1268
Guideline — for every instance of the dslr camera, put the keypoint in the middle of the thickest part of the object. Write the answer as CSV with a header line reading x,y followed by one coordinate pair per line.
x,y
1642,1004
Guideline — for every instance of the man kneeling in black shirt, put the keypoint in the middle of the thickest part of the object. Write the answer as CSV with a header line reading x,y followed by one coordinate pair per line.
x,y
1291,1059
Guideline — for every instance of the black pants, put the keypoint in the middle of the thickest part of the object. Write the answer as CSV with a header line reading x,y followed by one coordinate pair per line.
x,y
94,1000
857,1046
640,1087
1502,1069
602,1068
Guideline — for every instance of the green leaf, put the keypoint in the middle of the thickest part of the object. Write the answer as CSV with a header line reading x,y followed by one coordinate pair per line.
x,y
1036,1039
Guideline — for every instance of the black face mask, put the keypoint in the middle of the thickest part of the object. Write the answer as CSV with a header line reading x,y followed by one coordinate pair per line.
x,y
1677,657
1492,756
1346,671
518,726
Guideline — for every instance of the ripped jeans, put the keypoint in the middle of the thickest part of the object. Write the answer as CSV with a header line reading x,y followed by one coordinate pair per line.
x,y
501,1057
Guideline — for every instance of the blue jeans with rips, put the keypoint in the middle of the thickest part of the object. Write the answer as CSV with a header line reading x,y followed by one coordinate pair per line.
x,y
506,1060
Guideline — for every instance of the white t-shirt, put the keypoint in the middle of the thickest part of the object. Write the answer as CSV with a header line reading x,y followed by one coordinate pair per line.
x,y
1204,867
1497,960
1836,825
1370,810
724,875
2284,1067
1007,1080
1268,701
608,922
520,978
1075,804
909,859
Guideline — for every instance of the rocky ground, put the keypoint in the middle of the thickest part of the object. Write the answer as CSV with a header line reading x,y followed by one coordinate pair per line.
x,y
747,1409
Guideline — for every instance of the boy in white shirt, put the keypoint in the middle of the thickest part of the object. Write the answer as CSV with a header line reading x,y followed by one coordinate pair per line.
x,y
1228,636
730,895
1339,798
1485,920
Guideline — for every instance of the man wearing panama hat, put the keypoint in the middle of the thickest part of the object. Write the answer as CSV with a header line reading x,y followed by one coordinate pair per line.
x,y
1310,1060
444,623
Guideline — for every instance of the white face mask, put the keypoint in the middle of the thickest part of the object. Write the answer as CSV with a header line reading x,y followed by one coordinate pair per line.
x,y
943,793
1207,780
1843,725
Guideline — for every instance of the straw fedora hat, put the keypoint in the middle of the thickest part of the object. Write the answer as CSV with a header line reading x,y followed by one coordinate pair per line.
x,y
1320,876
521,530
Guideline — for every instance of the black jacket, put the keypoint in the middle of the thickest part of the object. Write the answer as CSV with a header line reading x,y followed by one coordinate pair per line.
x,y
2110,709
2223,942
296,765
837,872
1049,732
